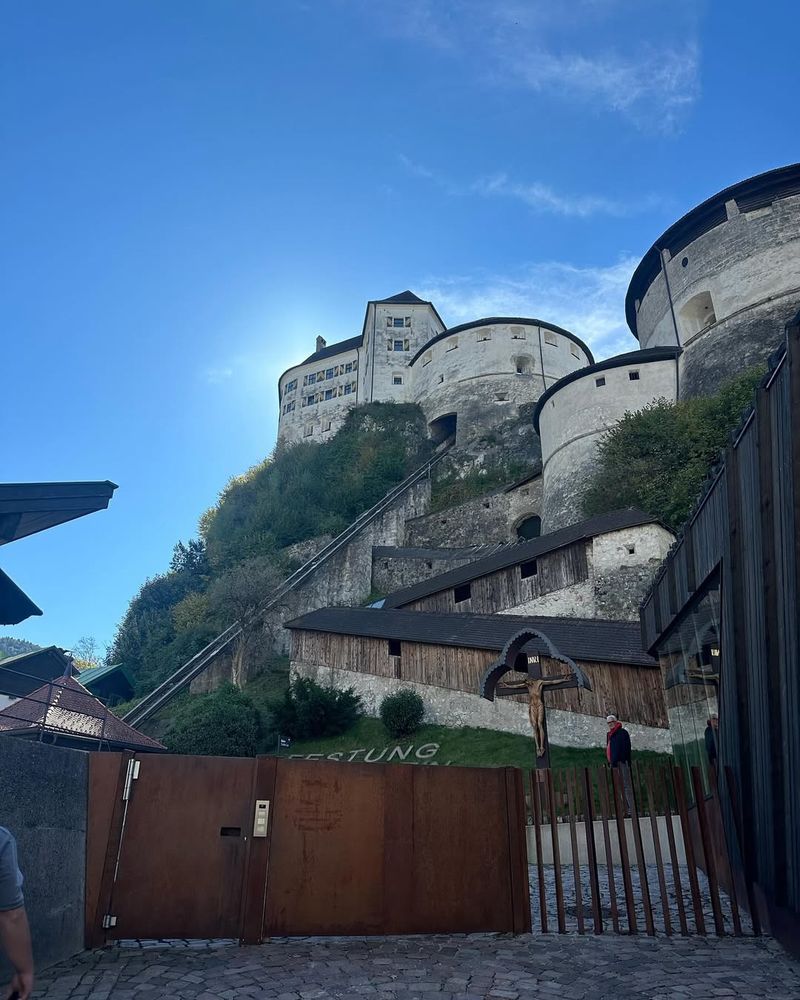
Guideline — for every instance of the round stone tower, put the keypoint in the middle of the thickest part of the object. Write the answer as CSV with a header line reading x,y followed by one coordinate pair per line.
x,y
723,281
470,379
572,416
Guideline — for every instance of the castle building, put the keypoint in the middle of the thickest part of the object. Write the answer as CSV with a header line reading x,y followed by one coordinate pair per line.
x,y
722,282
709,299
480,373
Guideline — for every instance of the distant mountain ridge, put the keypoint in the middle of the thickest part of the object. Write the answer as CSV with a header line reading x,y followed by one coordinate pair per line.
x,y
14,647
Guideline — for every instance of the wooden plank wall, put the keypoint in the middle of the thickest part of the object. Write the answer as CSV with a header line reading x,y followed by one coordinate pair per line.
x,y
633,693
506,588
748,530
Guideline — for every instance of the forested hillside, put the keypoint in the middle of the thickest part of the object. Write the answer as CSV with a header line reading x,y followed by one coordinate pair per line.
x,y
297,494
15,647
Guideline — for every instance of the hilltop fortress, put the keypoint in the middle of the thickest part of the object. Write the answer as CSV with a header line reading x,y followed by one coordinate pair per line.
x,y
708,299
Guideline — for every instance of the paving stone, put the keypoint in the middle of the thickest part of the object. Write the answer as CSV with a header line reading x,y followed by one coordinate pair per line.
x,y
472,967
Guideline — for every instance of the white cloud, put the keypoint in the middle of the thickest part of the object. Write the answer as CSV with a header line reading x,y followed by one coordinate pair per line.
x,y
214,376
536,195
612,55
587,301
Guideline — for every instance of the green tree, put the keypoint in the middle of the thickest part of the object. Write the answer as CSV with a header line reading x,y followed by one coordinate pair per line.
x,y
402,713
658,458
225,723
309,710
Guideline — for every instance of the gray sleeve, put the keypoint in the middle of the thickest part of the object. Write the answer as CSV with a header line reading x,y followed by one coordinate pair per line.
x,y
10,876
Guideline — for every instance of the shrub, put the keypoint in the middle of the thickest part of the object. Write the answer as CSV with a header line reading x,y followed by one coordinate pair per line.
x,y
225,723
402,712
309,710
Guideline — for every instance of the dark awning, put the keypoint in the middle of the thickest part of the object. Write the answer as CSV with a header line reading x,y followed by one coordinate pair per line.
x,y
15,606
26,508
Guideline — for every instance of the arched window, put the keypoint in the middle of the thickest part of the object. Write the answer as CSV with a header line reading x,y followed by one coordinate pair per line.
x,y
697,314
523,365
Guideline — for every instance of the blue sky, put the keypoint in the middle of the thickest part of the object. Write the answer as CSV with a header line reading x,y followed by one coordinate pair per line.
x,y
193,189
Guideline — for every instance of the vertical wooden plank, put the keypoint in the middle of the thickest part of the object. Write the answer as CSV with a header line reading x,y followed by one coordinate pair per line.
x,y
536,802
683,812
638,846
619,812
602,785
772,647
662,882
591,850
562,920
708,851
104,771
576,861
517,852
752,904
664,786
736,658
256,873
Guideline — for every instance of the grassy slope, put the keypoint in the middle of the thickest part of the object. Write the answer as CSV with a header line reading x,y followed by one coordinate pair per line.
x,y
464,746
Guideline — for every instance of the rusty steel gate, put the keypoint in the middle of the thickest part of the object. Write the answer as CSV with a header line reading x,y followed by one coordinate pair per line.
x,y
217,847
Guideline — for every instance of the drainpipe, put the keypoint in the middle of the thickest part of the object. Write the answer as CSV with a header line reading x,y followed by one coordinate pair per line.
x,y
672,313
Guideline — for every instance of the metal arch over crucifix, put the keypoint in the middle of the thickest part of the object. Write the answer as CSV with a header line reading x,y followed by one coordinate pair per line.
x,y
513,658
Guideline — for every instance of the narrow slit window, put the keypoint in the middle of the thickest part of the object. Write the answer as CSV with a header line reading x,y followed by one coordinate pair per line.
x,y
600,381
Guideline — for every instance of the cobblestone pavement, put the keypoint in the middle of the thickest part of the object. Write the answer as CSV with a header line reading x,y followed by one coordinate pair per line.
x,y
413,968
571,906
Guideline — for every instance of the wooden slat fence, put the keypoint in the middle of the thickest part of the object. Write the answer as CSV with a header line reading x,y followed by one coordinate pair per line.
x,y
630,854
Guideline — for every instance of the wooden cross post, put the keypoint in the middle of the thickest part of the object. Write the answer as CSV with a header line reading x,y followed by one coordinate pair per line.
x,y
534,684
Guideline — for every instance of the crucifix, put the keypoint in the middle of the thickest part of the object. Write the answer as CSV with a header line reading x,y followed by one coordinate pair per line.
x,y
514,659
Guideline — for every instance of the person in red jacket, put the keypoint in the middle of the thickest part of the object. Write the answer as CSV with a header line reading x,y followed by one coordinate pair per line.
x,y
618,752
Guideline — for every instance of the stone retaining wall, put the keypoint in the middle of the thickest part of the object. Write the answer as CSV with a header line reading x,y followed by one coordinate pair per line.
x,y
445,707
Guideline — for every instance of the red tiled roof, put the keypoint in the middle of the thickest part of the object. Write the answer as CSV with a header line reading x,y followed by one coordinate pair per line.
x,y
66,708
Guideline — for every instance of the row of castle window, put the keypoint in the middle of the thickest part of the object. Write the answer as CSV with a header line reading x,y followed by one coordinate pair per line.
x,y
483,335
600,381
319,397
322,376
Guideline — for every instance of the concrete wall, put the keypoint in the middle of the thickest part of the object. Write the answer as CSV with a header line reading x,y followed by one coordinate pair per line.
x,y
486,520
446,707
573,422
43,801
750,265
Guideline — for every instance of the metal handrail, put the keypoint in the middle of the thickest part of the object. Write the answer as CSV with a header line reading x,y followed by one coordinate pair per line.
x,y
185,674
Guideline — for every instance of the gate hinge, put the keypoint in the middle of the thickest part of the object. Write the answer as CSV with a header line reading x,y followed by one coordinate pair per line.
x,y
131,776
109,921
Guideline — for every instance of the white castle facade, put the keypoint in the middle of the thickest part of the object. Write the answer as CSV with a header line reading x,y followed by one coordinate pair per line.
x,y
710,298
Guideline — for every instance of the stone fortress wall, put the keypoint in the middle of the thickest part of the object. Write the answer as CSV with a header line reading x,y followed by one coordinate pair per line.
x,y
723,281
572,417
481,373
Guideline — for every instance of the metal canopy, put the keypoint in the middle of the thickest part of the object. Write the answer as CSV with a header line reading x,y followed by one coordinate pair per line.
x,y
27,508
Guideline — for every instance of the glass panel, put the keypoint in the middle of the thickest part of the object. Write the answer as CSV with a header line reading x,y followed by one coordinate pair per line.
x,y
690,658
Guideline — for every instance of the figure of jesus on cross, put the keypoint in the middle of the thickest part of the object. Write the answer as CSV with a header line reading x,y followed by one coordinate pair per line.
x,y
513,659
